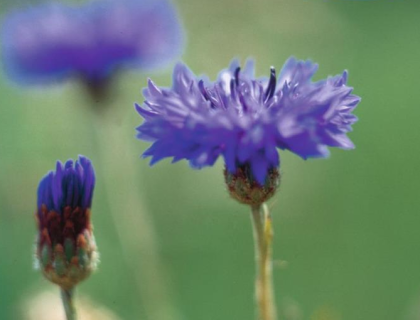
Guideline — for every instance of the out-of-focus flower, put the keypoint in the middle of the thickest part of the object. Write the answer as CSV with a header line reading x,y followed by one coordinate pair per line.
x,y
46,306
245,119
66,248
53,41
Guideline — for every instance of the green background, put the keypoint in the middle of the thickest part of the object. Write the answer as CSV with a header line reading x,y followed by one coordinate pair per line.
x,y
347,242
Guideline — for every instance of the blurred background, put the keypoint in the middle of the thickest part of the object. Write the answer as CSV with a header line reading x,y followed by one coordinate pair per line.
x,y
347,240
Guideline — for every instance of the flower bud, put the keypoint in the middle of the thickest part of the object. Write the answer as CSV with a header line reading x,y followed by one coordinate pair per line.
x,y
66,249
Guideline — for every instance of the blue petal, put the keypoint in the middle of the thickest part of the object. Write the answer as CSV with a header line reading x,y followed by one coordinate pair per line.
x,y
259,167
70,185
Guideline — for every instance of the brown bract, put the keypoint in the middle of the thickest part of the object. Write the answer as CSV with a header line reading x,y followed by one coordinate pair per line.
x,y
245,189
66,248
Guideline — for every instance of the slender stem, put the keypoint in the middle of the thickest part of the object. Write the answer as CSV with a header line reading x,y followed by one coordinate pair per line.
x,y
134,226
67,298
263,236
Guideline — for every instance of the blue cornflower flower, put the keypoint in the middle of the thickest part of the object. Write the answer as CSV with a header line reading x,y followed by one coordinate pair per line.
x,y
66,247
245,119
53,41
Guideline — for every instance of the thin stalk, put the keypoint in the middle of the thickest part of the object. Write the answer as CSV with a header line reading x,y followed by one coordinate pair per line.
x,y
263,237
132,221
67,298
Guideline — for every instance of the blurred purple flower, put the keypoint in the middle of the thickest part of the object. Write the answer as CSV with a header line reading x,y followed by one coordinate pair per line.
x,y
245,119
53,41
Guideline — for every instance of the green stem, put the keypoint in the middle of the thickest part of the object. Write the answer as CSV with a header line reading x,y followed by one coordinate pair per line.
x,y
134,226
263,236
67,298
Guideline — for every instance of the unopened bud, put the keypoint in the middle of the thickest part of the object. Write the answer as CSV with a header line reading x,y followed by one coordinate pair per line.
x,y
66,247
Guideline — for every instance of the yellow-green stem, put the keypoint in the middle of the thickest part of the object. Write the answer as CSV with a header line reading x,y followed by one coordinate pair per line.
x,y
263,236
67,298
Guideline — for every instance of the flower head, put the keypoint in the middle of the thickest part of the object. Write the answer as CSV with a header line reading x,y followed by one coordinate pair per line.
x,y
245,119
54,41
66,247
